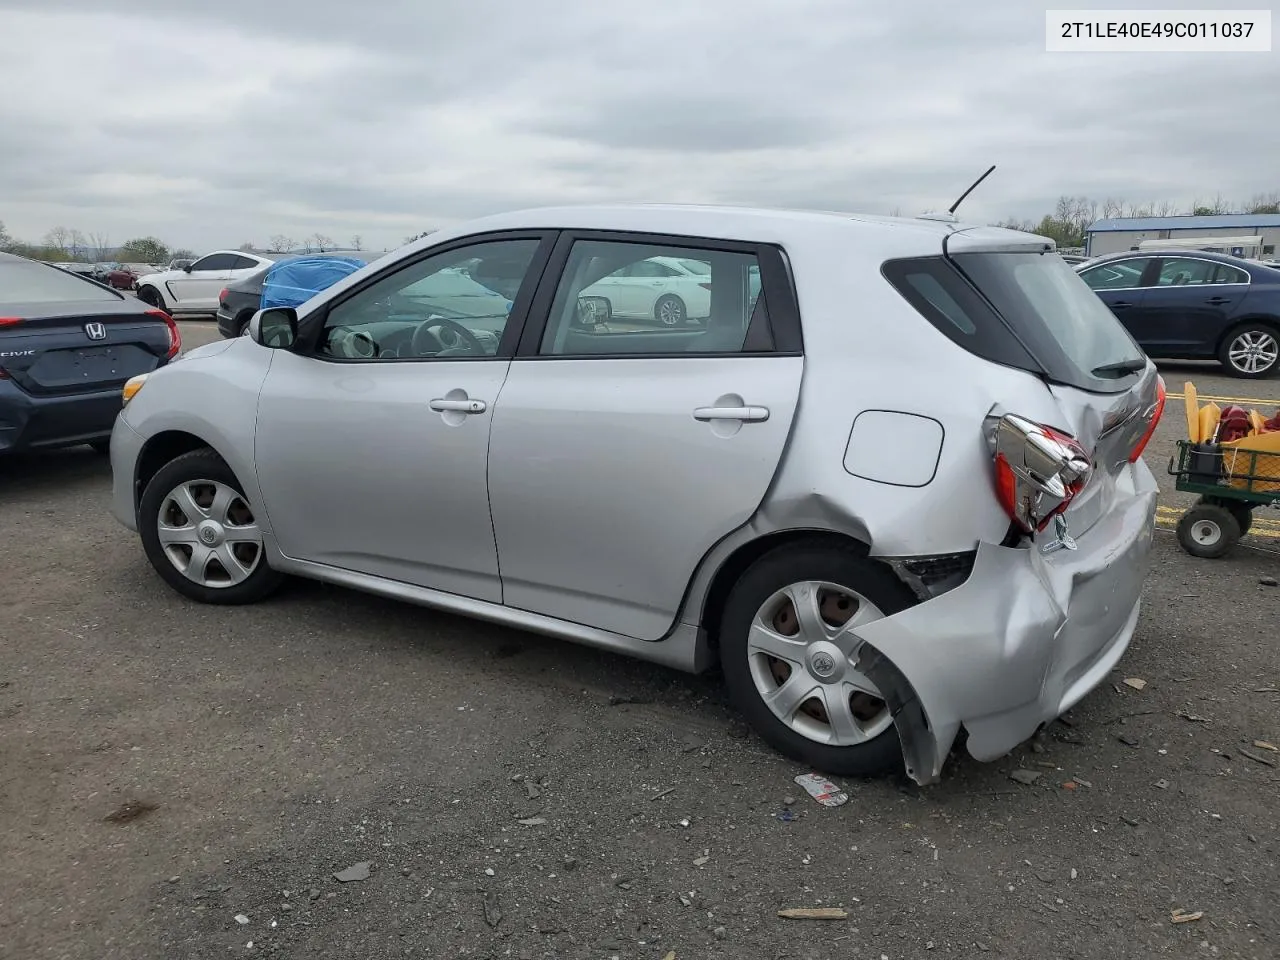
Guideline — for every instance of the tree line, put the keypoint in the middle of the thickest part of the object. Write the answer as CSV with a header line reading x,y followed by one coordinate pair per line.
x,y
68,245
1072,216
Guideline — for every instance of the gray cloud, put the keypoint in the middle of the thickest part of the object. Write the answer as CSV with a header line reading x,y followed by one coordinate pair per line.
x,y
230,122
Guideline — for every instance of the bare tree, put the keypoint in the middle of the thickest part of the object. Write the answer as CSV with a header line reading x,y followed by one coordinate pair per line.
x,y
1166,208
356,242
1113,207
100,244
279,243
246,247
58,239
1265,203
77,245
320,241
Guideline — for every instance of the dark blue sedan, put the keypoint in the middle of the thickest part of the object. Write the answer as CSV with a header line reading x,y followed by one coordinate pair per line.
x,y
1194,306
67,346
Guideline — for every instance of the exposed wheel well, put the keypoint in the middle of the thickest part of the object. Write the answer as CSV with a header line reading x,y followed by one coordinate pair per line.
x,y
737,563
158,451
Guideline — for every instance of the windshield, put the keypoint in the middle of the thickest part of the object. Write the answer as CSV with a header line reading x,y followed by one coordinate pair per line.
x,y
26,282
1063,323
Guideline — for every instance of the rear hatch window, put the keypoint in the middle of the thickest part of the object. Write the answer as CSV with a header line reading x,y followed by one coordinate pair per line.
x,y
27,282
1028,310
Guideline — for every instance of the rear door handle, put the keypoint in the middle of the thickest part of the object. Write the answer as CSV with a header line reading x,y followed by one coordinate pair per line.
x,y
1218,300
1121,304
460,406
753,414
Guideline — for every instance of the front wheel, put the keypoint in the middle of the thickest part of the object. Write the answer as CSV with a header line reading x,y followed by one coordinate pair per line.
x,y
1208,531
1251,351
151,297
200,532
790,654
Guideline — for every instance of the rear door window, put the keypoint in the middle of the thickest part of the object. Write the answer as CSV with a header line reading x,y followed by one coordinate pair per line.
x,y
1115,275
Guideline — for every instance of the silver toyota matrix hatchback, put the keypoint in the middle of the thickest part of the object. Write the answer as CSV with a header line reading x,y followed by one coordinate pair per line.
x,y
886,472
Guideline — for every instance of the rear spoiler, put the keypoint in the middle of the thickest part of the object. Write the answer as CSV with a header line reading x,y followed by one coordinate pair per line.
x,y
996,240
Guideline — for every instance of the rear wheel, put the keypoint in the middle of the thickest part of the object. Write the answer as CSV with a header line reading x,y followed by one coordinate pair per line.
x,y
1208,531
1251,351
789,654
200,533
669,310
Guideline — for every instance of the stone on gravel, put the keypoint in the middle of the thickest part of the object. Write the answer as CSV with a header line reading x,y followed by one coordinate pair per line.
x,y
1269,581
241,919
354,873
1026,777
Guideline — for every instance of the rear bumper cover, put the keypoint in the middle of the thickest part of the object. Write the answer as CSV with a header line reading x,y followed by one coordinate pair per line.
x,y
1020,642
35,422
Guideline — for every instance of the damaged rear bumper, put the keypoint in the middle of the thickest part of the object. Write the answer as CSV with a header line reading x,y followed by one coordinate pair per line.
x,y
1019,643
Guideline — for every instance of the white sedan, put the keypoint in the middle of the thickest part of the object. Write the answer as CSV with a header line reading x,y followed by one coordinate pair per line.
x,y
670,290
195,289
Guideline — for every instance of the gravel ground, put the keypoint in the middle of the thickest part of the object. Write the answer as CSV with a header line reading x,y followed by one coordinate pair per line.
x,y
168,771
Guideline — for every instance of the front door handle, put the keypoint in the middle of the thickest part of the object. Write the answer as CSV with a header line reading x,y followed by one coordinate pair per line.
x,y
1217,301
743,414
1121,304
459,406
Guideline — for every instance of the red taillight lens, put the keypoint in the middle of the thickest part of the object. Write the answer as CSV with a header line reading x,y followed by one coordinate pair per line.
x,y
10,321
1151,427
175,335
222,296
705,286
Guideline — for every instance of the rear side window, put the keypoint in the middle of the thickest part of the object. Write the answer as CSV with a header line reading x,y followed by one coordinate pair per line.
x,y
26,282
942,296
1072,334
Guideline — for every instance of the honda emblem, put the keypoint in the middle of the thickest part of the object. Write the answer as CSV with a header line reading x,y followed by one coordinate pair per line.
x,y
96,331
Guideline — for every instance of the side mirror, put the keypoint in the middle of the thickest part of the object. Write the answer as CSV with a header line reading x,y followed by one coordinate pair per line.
x,y
276,328
187,267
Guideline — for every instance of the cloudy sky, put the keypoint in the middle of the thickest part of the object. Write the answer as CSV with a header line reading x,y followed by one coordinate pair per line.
x,y
214,124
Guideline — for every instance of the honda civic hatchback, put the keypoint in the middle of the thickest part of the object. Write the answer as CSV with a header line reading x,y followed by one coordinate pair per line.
x,y
893,485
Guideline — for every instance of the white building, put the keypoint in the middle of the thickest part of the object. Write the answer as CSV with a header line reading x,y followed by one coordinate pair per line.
x,y
1254,235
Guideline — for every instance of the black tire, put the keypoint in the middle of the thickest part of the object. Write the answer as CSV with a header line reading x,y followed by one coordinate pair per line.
x,y
1262,334
771,573
100,446
670,311
197,465
1243,514
151,297
242,322
1208,531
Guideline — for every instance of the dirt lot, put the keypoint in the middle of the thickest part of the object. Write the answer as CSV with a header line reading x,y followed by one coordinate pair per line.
x,y
169,770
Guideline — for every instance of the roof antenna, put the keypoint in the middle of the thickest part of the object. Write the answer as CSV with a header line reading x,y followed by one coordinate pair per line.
x,y
952,210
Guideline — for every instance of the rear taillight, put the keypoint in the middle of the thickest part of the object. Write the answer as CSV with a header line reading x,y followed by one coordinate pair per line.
x,y
10,321
705,286
222,296
1039,471
175,336
1156,414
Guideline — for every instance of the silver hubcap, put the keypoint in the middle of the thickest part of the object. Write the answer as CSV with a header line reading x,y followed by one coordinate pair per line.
x,y
670,312
1206,533
803,651
1253,352
208,533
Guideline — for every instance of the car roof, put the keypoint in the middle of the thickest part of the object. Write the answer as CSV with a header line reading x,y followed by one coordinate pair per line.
x,y
751,224
1174,252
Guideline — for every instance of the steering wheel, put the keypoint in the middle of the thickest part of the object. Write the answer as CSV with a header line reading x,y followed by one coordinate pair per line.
x,y
422,346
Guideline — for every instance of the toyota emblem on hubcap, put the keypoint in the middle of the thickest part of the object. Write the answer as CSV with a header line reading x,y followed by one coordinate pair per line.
x,y
208,535
823,664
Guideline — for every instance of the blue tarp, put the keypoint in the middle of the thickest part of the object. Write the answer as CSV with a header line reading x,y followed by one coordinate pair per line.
x,y
292,283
